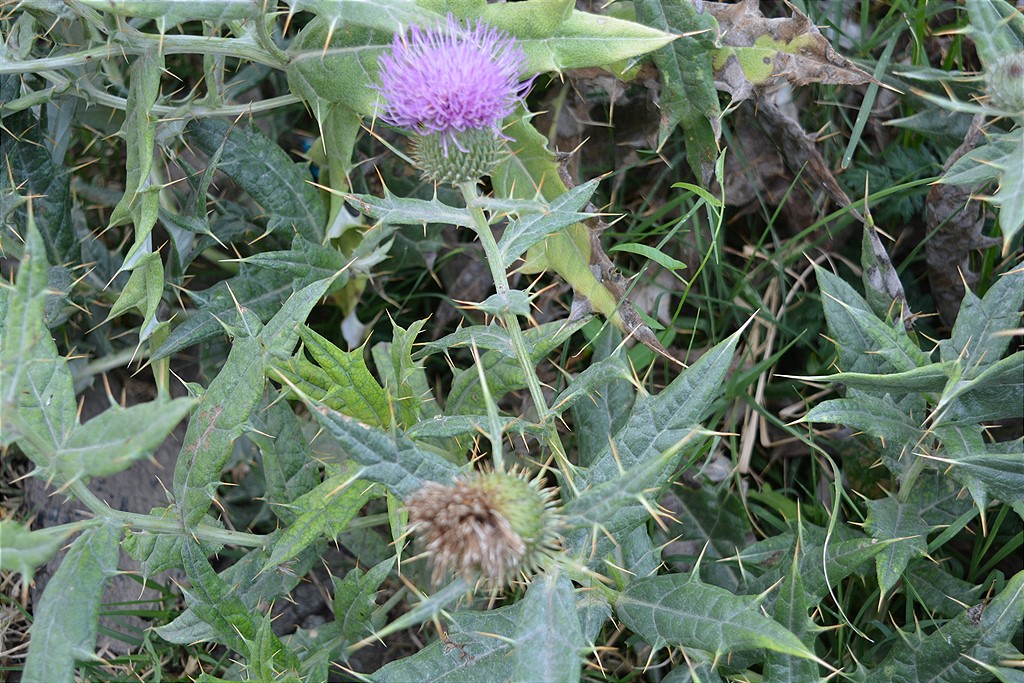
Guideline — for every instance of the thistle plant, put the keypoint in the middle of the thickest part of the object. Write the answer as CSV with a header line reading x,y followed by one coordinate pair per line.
x,y
589,508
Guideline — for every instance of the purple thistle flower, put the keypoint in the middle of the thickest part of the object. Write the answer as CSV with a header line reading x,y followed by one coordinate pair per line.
x,y
451,79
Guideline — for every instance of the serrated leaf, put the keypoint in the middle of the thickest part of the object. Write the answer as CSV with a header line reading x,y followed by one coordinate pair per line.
x,y
115,438
714,517
950,653
22,550
680,610
141,202
389,459
643,451
531,229
266,173
355,598
889,518
490,337
868,344
927,378
447,426
977,336
937,590
324,511
995,394
253,289
688,95
35,382
394,210
217,603
217,421
143,292
824,561
66,617
607,407
348,386
538,639
389,15
880,418
981,467
31,169
599,375
504,374
790,610
251,585
172,13
289,468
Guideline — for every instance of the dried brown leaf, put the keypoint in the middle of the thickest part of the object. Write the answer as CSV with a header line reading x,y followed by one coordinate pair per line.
x,y
756,51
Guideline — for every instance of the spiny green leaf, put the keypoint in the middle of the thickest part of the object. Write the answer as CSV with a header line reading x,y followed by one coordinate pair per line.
x,y
688,95
537,639
504,374
217,603
27,162
523,233
394,210
326,510
355,598
347,385
141,202
889,518
250,585
266,172
256,290
289,468
880,418
67,615
217,421
790,610
115,438
35,382
981,633
389,459
977,337
680,610
867,343
171,13
22,550
143,292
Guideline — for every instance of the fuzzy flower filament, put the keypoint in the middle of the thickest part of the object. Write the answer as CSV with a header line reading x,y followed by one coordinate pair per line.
x,y
452,85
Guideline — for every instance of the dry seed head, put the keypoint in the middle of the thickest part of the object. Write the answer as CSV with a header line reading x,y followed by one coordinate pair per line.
x,y
488,526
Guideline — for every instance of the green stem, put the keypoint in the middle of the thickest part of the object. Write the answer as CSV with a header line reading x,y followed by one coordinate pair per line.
x,y
515,332
164,526
907,483
132,42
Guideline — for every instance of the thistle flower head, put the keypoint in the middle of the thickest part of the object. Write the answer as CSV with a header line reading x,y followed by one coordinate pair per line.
x,y
489,526
452,85
451,78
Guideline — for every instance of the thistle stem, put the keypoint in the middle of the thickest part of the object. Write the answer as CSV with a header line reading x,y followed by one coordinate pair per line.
x,y
515,332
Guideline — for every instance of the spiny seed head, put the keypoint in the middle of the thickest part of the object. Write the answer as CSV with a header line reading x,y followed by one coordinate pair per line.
x,y
1005,81
488,526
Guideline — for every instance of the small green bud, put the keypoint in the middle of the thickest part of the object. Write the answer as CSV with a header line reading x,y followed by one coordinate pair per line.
x,y
457,156
1005,80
